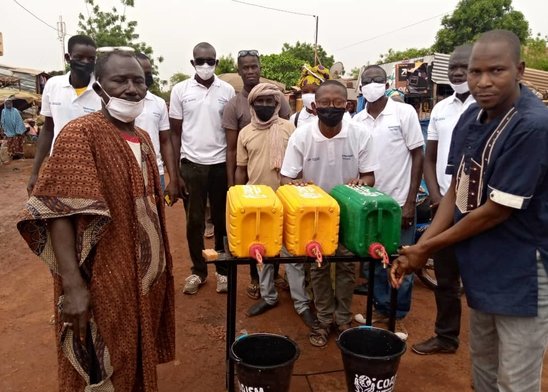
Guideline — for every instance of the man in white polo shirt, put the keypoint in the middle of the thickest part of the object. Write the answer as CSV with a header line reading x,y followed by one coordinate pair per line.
x,y
443,119
330,152
66,97
199,140
155,121
399,141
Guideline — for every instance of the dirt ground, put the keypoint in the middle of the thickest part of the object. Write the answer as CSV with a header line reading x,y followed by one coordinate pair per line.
x,y
27,339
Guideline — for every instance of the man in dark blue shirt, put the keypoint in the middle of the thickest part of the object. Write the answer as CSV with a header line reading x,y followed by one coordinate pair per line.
x,y
496,212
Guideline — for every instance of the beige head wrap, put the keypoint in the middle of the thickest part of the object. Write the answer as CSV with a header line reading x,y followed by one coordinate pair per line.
x,y
275,140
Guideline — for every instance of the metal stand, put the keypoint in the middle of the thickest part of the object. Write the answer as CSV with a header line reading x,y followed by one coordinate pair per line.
x,y
232,276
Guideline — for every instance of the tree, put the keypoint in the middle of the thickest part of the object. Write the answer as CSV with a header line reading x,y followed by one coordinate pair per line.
x,y
286,66
177,77
305,52
227,64
111,28
173,80
355,72
282,67
473,17
535,53
397,55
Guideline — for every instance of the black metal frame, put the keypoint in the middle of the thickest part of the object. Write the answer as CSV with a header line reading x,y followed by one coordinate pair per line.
x,y
232,296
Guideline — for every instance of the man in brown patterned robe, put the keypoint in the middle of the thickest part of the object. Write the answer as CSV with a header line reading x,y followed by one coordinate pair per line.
x,y
96,217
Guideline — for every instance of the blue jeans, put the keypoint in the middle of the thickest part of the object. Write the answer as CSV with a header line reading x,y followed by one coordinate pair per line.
x,y
381,286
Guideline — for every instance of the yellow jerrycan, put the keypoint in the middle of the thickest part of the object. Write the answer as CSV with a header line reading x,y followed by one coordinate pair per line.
x,y
254,221
311,221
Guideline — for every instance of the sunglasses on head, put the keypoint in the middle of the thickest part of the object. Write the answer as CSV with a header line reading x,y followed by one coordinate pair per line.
x,y
252,52
202,61
108,49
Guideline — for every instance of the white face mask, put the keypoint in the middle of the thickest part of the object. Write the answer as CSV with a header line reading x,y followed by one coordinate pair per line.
x,y
308,99
373,91
460,88
205,72
120,109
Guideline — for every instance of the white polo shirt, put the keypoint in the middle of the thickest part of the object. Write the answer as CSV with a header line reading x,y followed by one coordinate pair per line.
x,y
203,140
154,120
305,117
62,104
396,131
330,162
443,119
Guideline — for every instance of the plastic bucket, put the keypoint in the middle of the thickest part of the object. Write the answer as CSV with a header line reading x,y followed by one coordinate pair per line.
x,y
264,362
371,357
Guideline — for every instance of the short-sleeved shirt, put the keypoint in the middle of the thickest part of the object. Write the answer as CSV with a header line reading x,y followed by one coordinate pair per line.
x,y
397,131
203,139
237,115
61,102
154,120
443,119
254,152
330,162
505,160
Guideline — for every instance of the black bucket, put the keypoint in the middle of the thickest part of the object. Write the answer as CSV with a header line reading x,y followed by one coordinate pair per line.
x,y
371,357
264,362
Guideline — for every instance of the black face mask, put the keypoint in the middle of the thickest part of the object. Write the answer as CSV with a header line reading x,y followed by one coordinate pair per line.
x,y
330,116
149,79
81,68
264,112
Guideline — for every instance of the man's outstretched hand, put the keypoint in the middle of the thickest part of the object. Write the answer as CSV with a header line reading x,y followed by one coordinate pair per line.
x,y
411,258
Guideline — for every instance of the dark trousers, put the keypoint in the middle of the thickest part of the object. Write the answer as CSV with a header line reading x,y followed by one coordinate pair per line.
x,y
447,295
202,181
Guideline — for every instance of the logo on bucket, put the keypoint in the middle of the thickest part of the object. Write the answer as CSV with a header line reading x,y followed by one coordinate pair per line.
x,y
244,388
365,384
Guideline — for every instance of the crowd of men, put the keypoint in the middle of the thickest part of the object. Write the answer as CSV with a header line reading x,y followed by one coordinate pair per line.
x,y
96,208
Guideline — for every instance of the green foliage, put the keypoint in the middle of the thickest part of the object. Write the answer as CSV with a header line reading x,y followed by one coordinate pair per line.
x,y
286,66
177,77
111,28
355,72
535,53
165,93
397,55
305,52
227,64
473,17
283,67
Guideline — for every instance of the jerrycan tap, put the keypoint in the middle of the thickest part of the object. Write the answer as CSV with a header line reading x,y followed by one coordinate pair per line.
x,y
377,251
314,250
257,252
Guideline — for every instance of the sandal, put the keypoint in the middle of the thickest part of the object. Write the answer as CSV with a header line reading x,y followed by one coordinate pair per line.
x,y
318,336
253,291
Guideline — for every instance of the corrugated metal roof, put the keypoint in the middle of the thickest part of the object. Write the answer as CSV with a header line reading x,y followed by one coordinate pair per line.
x,y
439,70
29,71
538,78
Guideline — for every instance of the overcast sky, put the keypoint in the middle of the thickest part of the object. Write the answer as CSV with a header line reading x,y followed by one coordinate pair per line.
x,y
173,27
